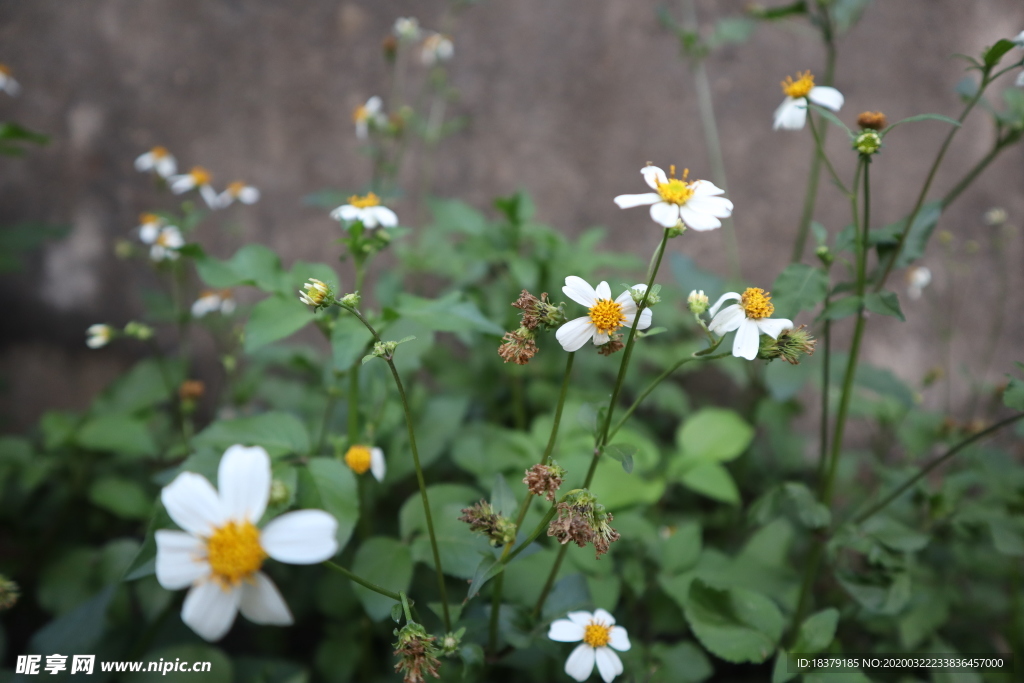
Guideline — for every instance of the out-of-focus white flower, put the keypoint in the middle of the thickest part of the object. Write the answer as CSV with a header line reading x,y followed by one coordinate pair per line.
x,y
247,194
1020,80
437,47
220,552
407,28
99,336
749,318
213,301
197,177
604,316
362,458
158,160
599,635
367,210
369,114
918,277
7,82
1018,40
695,203
165,240
792,113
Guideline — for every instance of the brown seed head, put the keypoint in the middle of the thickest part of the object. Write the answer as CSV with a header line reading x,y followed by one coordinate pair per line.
x,y
875,120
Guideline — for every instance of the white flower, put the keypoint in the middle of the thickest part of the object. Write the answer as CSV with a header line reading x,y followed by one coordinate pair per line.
x,y
197,177
1020,80
368,114
749,318
407,28
792,113
247,194
367,210
1018,40
599,634
436,48
99,336
220,551
212,301
604,316
157,159
918,277
674,199
7,82
363,458
165,239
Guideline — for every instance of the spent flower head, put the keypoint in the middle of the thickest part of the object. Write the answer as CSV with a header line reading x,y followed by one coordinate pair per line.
x,y
539,312
416,652
873,120
792,113
582,520
676,201
544,480
483,519
791,345
518,346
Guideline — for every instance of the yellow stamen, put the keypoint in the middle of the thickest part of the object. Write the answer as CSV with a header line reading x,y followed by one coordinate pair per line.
x,y
757,303
236,188
358,458
607,316
234,553
597,635
364,202
145,218
803,84
200,175
360,114
164,238
159,152
676,190
5,70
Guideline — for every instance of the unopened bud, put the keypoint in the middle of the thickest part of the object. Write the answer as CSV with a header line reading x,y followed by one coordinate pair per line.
x,y
791,346
697,302
280,492
351,300
867,142
825,255
139,331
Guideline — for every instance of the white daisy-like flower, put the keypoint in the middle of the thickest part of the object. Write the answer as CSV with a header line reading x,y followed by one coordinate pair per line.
x,y
367,210
247,194
159,160
363,458
1018,40
214,301
749,318
599,635
407,28
221,550
368,114
165,239
604,316
918,277
792,113
7,82
197,177
436,48
696,203
99,336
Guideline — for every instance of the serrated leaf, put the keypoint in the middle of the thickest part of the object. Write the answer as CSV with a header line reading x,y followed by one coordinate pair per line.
x,y
817,632
884,303
737,625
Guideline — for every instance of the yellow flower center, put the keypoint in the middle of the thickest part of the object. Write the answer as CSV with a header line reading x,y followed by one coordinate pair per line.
x,y
145,218
676,190
757,303
200,175
358,458
607,316
235,188
360,114
800,87
364,202
159,152
597,635
5,70
164,238
234,553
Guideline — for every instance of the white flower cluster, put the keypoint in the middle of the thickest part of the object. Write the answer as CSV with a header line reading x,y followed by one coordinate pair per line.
x,y
161,162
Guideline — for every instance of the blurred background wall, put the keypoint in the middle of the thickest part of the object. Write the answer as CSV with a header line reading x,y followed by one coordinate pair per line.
x,y
566,99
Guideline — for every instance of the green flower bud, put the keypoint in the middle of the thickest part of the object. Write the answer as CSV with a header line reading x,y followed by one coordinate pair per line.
x,y
867,142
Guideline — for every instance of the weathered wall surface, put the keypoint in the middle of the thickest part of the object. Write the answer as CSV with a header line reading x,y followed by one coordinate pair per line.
x,y
566,99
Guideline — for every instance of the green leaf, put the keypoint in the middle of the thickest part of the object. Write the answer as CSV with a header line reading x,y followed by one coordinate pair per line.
x,y
622,453
712,480
456,216
992,55
253,264
442,497
714,435
798,288
811,513
280,433
121,496
116,433
447,314
1013,396
841,308
275,318
780,12
79,630
884,303
683,662
488,568
503,500
335,491
737,625
12,134
387,563
817,632
396,613
680,551
349,341
889,595
144,386
895,535
1007,536
919,234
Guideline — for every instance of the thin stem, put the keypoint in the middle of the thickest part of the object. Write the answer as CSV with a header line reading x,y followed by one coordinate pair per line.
x,y
397,597
324,427
550,581
825,388
405,607
819,143
537,531
902,488
353,403
975,171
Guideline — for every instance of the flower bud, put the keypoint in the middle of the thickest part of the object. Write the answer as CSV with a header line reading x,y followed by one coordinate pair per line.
x,y
451,642
637,293
139,331
867,142
280,492
318,294
351,300
697,302
825,255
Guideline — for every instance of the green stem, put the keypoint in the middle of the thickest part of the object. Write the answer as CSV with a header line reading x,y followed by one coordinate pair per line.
x,y
825,387
902,488
397,597
537,531
499,584
819,143
971,175
324,427
353,403
405,607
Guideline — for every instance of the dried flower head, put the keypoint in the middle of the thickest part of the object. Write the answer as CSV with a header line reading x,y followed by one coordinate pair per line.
x,y
482,519
582,520
791,345
874,120
544,480
416,653
613,344
539,312
191,390
518,346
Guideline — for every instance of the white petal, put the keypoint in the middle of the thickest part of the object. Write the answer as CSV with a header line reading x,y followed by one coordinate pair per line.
x,y
600,338
665,214
580,663
209,610
604,616
580,291
384,216
773,327
210,196
608,663
249,195
377,466
728,319
346,212
261,602
706,188
179,559
628,201
582,618
720,207
697,220
745,344
575,333
144,162
721,300
193,504
149,232
645,319
166,167
373,104
791,114
244,482
654,176
368,218
1020,80
619,639
301,537
603,291
565,631
182,183
225,199
827,97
